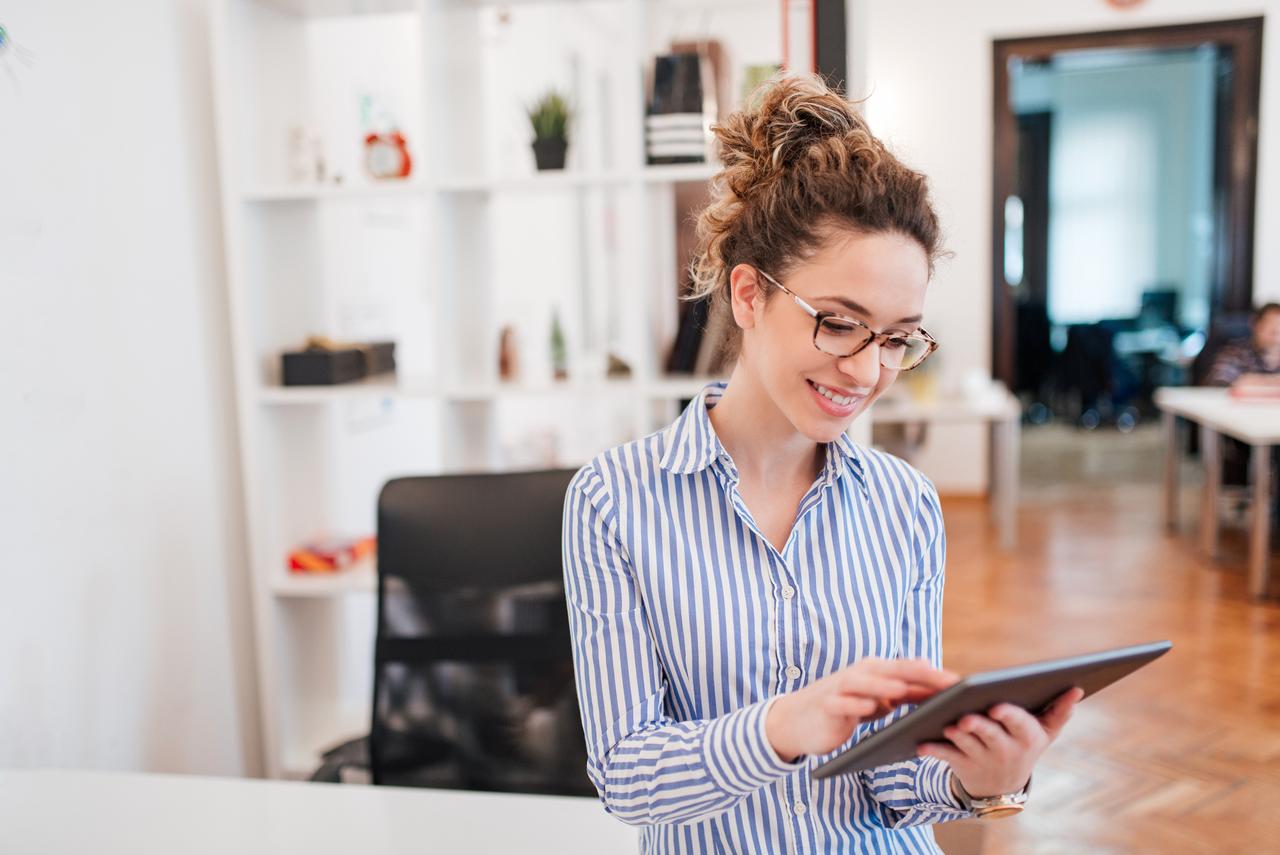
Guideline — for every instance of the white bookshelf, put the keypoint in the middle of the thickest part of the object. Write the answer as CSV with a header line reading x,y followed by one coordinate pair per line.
x,y
476,239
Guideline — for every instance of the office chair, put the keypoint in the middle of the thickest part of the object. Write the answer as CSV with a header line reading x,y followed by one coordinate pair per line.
x,y
473,668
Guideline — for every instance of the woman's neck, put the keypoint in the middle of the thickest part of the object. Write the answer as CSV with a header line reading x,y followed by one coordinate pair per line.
x,y
765,446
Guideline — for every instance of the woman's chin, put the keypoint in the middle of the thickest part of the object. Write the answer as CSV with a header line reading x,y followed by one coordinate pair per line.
x,y
823,428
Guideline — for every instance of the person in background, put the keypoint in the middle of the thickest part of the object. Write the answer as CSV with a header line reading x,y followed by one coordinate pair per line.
x,y
749,590
1250,365
1251,361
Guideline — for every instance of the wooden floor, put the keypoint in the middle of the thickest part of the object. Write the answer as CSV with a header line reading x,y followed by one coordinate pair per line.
x,y
1183,757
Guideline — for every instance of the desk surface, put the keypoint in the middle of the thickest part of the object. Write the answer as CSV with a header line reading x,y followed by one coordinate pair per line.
x,y
116,813
1253,422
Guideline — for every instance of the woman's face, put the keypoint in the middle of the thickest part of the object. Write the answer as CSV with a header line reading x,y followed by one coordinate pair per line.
x,y
879,279
1266,332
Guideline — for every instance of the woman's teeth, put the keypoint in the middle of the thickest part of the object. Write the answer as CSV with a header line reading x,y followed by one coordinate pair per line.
x,y
842,400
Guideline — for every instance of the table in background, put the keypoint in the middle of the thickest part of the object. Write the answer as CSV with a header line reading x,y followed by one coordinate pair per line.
x,y
116,813
1255,423
997,408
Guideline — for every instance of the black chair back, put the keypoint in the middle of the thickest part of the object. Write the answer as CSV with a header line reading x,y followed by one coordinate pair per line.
x,y
473,668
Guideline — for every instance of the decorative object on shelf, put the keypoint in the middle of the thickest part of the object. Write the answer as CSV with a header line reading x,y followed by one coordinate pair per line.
x,y
11,50
700,332
508,356
681,109
559,353
330,555
324,362
689,334
306,156
711,361
717,100
386,155
550,117
1124,4
618,368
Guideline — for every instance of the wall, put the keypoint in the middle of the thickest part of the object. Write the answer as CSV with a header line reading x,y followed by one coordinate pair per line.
x,y
928,68
124,633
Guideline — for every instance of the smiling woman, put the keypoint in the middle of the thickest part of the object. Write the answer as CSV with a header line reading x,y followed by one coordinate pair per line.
x,y
749,589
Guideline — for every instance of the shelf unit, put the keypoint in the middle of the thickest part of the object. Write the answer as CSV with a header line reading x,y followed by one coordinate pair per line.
x,y
473,241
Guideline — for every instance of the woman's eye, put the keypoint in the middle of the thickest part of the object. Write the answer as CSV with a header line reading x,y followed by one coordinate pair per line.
x,y
838,328
896,343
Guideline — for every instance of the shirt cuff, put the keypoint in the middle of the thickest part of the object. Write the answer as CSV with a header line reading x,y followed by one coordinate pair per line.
x,y
737,752
933,786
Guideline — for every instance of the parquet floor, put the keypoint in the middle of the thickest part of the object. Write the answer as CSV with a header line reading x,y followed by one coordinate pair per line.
x,y
1183,757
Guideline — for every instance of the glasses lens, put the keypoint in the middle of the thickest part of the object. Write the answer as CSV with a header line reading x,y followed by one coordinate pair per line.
x,y
903,353
839,337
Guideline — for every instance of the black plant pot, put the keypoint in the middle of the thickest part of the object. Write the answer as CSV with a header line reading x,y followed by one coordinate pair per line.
x,y
549,153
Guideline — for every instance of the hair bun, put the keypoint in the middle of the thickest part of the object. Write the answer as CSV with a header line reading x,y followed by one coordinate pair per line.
x,y
787,116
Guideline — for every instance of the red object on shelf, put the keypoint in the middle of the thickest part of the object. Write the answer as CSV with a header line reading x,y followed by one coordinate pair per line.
x,y
331,555
387,155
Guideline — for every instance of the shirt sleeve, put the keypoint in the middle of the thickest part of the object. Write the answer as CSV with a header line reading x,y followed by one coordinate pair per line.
x,y
1227,366
647,767
918,791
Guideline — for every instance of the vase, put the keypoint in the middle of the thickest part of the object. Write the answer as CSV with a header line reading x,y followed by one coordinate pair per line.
x,y
549,153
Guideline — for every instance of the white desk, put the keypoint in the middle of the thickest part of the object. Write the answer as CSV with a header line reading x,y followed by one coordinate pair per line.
x,y
112,813
1256,423
1001,411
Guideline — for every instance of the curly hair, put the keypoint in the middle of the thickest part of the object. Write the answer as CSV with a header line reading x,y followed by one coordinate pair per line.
x,y
800,164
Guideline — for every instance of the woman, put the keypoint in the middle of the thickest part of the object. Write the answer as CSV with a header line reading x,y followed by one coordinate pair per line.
x,y
748,589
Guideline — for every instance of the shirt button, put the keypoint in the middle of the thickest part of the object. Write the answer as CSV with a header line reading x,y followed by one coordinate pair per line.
x,y
793,672
799,808
788,592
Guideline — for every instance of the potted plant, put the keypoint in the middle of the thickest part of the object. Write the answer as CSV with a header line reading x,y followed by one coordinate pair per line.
x,y
550,116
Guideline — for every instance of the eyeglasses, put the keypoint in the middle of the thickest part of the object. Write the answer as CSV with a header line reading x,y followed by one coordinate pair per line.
x,y
837,335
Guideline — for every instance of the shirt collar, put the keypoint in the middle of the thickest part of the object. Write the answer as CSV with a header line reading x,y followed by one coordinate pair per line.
x,y
690,443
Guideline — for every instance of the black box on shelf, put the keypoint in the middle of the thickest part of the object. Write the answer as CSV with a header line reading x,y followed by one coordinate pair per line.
x,y
328,366
380,357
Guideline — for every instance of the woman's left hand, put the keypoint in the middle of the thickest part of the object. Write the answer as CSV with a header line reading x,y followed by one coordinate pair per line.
x,y
994,754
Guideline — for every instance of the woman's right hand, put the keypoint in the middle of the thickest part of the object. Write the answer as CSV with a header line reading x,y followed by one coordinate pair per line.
x,y
822,716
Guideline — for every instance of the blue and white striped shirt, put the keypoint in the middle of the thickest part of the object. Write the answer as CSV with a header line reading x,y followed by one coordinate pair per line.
x,y
686,622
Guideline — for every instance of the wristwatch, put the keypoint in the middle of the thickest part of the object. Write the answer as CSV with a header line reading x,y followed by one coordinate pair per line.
x,y
993,807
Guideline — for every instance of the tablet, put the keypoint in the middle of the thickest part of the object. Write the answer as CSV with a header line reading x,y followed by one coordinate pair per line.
x,y
1032,687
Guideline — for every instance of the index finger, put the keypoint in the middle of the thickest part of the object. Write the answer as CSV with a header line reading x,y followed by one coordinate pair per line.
x,y
918,671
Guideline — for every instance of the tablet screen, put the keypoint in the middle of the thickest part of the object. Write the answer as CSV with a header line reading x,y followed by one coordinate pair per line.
x,y
1032,687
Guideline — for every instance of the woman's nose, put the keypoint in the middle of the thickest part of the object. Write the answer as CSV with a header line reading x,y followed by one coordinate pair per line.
x,y
863,368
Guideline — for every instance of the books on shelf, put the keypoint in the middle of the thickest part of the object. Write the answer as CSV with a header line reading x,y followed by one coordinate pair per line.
x,y
331,555
700,340
680,110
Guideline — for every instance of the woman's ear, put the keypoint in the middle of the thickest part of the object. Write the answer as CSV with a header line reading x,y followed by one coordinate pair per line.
x,y
745,298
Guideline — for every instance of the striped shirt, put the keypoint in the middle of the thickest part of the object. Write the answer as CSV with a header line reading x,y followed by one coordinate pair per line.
x,y
1236,359
687,622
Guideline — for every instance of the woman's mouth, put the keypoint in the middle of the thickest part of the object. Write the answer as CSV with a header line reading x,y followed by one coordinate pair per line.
x,y
833,403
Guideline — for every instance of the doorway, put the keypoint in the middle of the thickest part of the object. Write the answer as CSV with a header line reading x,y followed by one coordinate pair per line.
x,y
1123,212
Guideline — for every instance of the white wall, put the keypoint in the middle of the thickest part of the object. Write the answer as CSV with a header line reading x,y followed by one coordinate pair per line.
x,y
928,67
124,639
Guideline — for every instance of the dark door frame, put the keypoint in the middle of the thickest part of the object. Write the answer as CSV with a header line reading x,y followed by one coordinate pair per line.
x,y
1232,289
